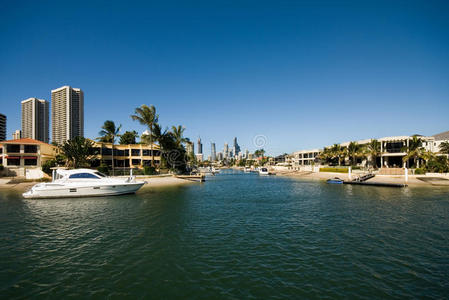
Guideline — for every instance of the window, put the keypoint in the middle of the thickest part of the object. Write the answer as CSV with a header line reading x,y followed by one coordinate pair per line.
x,y
106,151
135,152
13,162
146,152
83,176
30,149
136,162
100,174
30,162
1,149
13,148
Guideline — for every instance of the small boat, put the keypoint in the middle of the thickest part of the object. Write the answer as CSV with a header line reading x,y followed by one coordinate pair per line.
x,y
83,183
247,170
263,171
335,180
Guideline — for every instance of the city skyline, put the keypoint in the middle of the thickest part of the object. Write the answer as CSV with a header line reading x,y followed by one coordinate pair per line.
x,y
296,73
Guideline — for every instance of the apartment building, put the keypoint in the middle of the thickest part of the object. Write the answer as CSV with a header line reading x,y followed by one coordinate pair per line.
x,y
67,105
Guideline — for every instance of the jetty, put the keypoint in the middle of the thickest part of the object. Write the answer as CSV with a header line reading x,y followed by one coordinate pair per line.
x,y
362,180
196,178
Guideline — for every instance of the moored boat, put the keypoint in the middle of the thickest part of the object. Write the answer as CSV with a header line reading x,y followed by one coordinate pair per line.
x,y
263,171
335,180
83,183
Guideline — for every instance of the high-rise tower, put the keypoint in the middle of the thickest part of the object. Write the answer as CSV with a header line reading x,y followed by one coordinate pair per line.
x,y
2,127
213,153
67,112
35,123
200,146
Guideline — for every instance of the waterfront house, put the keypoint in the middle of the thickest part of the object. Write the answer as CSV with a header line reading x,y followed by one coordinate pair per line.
x,y
128,156
22,156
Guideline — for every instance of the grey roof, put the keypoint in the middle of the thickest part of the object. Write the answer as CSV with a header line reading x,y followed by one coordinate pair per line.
x,y
442,136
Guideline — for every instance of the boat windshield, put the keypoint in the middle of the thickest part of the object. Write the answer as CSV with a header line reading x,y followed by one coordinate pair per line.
x,y
100,174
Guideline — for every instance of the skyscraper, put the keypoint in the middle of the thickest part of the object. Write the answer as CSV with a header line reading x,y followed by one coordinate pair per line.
x,y
213,154
2,127
236,148
200,146
225,151
35,123
67,112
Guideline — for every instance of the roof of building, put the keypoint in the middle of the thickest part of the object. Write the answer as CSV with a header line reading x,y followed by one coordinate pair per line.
x,y
23,141
442,136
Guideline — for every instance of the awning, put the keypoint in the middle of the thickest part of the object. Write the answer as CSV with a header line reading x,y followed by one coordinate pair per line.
x,y
13,157
30,157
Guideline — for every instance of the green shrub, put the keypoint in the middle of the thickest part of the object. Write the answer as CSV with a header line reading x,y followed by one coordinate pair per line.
x,y
420,171
439,164
1,167
46,167
149,170
103,168
336,170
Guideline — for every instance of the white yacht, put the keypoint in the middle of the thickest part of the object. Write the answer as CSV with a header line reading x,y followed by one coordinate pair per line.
x,y
263,171
83,183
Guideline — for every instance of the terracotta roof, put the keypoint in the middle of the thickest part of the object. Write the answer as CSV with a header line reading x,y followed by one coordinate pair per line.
x,y
23,141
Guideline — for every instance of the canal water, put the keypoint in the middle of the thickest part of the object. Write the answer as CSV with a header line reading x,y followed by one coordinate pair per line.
x,y
237,236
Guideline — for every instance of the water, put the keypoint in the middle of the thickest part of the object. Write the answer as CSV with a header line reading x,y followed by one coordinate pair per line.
x,y
237,236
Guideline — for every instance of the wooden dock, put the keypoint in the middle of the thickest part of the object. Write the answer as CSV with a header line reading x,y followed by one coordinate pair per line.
x,y
362,180
385,184
196,178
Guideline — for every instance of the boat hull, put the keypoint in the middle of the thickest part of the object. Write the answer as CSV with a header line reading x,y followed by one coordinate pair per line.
x,y
52,190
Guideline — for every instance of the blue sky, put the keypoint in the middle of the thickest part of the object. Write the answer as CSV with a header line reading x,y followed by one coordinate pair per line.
x,y
302,74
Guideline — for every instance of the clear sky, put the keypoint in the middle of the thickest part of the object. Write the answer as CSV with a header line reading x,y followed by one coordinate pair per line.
x,y
302,74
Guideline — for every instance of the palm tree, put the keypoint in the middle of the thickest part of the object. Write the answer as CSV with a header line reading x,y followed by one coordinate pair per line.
x,y
325,155
338,152
147,116
108,134
444,148
414,150
178,134
373,150
354,150
78,151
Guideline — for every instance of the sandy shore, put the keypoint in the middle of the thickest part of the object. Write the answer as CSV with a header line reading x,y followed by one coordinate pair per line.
x,y
412,180
152,181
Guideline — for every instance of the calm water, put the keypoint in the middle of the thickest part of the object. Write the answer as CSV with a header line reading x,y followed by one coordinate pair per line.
x,y
236,236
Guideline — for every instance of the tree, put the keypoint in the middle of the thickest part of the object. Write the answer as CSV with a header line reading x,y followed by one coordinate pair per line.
x,y
78,152
373,150
108,134
325,155
259,153
444,148
354,151
438,164
414,150
128,138
178,134
147,116
338,152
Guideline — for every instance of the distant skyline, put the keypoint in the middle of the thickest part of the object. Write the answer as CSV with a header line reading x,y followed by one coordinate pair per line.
x,y
300,74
